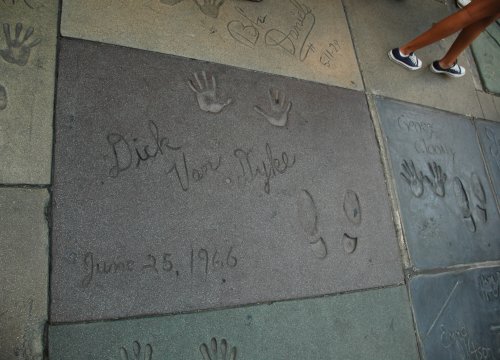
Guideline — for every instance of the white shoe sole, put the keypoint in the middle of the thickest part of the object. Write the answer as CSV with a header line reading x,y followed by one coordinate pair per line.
x,y
436,71
402,63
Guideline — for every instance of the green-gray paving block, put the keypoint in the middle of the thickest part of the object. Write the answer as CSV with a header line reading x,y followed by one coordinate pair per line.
x,y
448,209
489,137
458,314
23,273
486,50
370,325
27,67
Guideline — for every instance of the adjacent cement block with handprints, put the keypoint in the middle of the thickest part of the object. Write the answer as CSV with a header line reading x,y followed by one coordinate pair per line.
x,y
28,31
182,185
306,39
363,326
489,137
24,273
447,206
461,320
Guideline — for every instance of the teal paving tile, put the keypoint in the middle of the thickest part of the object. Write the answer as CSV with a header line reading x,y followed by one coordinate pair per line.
x,y
458,314
371,325
448,208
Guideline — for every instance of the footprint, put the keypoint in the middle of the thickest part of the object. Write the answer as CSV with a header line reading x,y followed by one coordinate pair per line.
x,y
480,195
463,204
307,213
350,243
319,249
352,207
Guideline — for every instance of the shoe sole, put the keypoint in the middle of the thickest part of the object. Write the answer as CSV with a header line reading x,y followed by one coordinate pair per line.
x,y
402,63
436,71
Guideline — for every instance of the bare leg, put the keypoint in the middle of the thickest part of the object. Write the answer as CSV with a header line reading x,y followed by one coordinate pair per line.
x,y
475,11
464,39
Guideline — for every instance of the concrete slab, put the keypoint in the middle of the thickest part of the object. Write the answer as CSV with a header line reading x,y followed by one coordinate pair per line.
x,y
489,137
447,205
383,77
461,320
307,39
369,325
27,66
486,52
265,188
24,276
490,104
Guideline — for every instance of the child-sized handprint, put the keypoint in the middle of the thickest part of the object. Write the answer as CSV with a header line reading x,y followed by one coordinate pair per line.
x,y
214,352
413,177
279,108
210,7
18,50
137,352
205,94
438,179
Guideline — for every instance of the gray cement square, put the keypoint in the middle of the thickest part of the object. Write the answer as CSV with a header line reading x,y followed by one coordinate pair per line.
x,y
306,39
489,138
182,185
461,320
28,31
24,268
379,26
486,51
363,326
448,209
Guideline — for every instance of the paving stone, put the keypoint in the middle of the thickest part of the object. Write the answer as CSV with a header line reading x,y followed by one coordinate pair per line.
x,y
447,205
24,275
369,325
236,199
486,52
490,105
383,77
304,39
27,65
461,320
489,137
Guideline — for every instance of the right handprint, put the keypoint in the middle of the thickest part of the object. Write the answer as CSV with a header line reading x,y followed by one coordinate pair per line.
x,y
280,108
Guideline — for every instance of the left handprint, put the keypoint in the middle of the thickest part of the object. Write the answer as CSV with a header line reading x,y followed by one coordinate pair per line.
x,y
205,94
18,49
136,349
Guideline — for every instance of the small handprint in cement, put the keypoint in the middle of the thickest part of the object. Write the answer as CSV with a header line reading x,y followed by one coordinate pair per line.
x,y
137,353
206,94
280,108
437,179
216,352
18,49
413,177
209,7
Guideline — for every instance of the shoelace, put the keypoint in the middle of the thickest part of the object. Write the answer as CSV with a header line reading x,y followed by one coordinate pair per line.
x,y
413,58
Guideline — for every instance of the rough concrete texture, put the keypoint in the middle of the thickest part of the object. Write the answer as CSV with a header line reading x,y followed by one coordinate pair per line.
x,y
486,50
28,32
392,23
489,137
490,105
168,199
24,273
461,320
304,39
369,325
448,209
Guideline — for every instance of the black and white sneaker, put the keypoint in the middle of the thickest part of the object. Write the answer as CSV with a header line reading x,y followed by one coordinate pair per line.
x,y
411,62
455,71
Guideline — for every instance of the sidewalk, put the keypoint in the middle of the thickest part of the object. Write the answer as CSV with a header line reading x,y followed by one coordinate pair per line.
x,y
239,180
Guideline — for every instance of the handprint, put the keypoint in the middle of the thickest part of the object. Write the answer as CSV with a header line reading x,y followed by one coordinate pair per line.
x,y
136,349
18,51
438,179
205,94
279,108
413,177
216,353
209,7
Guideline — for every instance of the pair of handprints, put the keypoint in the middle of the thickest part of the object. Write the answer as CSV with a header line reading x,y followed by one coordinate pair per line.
x,y
416,179
209,101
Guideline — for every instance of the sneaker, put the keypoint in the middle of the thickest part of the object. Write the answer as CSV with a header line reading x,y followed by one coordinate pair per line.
x,y
463,3
455,71
411,62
